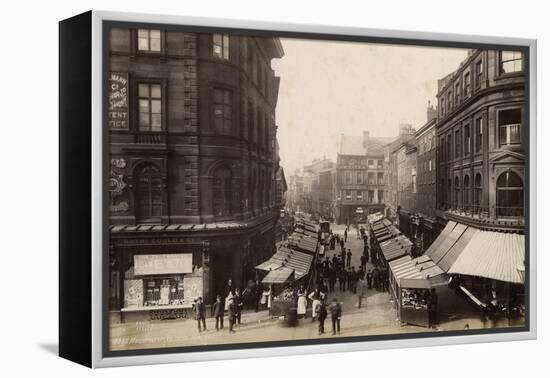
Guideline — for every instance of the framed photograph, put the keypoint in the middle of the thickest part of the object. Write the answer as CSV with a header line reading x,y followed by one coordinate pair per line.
x,y
233,189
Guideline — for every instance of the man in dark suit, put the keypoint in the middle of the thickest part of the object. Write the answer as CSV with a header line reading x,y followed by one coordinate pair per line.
x,y
321,315
200,314
238,298
335,315
217,312
231,314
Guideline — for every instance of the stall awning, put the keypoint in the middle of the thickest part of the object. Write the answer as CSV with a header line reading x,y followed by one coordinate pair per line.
x,y
279,275
420,268
403,268
450,240
449,259
430,271
494,255
303,244
299,262
392,249
441,238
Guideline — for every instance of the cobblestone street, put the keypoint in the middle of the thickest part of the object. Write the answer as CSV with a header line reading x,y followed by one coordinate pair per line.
x,y
376,316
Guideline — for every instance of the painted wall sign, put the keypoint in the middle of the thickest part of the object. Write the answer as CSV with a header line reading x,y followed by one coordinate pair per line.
x,y
118,100
176,263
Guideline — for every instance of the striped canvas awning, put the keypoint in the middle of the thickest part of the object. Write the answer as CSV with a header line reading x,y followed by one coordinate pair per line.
x,y
495,255
299,262
441,238
403,268
280,275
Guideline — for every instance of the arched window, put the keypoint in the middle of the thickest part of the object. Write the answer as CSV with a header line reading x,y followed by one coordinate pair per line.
x,y
477,193
509,195
148,194
222,192
466,193
457,192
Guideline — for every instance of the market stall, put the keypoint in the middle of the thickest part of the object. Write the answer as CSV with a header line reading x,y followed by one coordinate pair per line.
x,y
414,302
282,286
410,282
286,269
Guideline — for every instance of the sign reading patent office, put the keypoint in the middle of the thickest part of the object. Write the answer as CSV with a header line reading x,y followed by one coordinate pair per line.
x,y
118,101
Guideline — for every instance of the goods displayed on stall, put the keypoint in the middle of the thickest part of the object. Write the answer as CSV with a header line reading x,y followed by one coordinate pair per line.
x,y
413,303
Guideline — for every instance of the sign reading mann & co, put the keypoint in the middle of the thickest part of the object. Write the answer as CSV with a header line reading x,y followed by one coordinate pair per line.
x,y
118,101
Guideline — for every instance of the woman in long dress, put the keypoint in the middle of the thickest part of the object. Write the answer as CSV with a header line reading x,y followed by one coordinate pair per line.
x,y
302,302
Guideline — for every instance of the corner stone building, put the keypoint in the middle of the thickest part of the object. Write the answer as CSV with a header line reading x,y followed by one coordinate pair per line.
x,y
192,155
482,136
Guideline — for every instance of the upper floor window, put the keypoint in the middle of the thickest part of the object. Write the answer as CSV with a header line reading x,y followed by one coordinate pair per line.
x,y
380,164
148,194
442,106
449,147
509,194
222,110
347,177
479,134
150,107
347,194
457,144
479,73
509,126
510,61
220,46
359,177
414,180
457,93
380,178
359,195
467,140
149,40
370,163
467,83
370,196
222,192
371,178
449,101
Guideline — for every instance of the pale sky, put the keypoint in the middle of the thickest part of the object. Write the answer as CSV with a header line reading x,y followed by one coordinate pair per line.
x,y
328,88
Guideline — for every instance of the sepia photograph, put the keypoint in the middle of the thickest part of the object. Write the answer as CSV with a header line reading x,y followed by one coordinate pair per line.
x,y
266,187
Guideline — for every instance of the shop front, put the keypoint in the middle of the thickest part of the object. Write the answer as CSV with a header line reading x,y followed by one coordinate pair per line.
x,y
161,286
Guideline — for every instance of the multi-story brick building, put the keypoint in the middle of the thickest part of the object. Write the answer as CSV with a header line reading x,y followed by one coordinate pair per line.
x,y
319,173
481,135
424,224
395,183
193,159
360,178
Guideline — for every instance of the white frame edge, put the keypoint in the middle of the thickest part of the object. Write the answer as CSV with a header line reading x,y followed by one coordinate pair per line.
x,y
97,193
